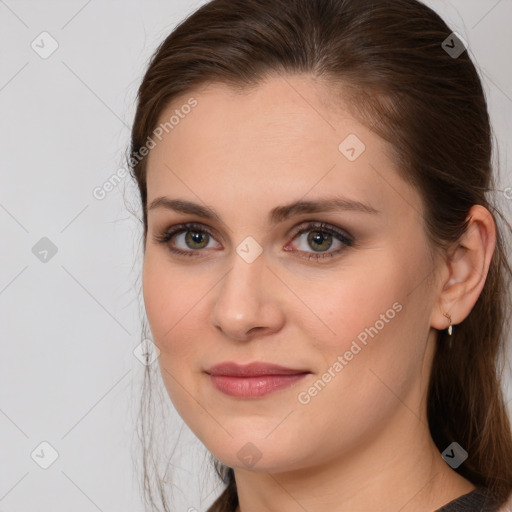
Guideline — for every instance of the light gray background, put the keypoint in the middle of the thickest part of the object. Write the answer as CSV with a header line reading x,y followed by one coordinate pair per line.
x,y
69,325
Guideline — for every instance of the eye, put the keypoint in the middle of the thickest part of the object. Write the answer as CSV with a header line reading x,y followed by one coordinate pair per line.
x,y
194,237
321,237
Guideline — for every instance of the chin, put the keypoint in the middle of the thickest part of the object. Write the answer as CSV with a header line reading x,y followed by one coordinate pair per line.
x,y
258,455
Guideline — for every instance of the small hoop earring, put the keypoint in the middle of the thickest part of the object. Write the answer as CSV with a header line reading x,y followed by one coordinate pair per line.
x,y
450,328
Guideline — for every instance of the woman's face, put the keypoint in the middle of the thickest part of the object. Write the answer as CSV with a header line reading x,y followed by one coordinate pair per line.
x,y
347,301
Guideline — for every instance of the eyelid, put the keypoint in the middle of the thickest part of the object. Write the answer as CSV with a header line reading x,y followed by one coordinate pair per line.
x,y
306,226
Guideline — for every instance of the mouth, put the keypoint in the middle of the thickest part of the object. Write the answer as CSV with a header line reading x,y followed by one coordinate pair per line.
x,y
253,380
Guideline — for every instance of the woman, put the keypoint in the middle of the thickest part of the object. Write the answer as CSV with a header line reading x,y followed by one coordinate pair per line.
x,y
324,275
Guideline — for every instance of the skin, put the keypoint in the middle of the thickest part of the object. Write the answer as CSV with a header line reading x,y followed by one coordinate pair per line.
x,y
362,442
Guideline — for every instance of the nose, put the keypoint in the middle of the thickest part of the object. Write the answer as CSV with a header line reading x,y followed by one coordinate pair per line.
x,y
247,301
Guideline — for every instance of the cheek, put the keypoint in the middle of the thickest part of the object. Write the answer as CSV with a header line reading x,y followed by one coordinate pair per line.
x,y
365,342
368,356
175,300
156,297
166,299
353,304
172,303
371,343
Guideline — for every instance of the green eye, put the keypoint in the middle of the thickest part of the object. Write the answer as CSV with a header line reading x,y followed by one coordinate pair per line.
x,y
320,238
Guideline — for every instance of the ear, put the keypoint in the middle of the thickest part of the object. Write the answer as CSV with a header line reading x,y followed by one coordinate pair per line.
x,y
465,269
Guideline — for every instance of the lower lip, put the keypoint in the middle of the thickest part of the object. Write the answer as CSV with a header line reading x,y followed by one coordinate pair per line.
x,y
252,387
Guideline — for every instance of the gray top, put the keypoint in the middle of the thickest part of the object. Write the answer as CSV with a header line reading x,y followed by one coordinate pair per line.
x,y
478,500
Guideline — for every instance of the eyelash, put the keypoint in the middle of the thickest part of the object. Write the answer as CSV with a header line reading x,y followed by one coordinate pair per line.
x,y
345,239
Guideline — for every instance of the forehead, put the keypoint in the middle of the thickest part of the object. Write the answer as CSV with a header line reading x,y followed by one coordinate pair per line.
x,y
286,138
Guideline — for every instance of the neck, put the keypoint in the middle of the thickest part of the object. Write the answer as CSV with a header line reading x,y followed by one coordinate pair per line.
x,y
400,468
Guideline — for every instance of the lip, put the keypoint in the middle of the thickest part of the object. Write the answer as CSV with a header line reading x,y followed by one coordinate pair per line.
x,y
255,369
253,380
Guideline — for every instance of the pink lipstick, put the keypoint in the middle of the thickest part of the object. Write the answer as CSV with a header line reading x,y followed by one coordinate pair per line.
x,y
253,380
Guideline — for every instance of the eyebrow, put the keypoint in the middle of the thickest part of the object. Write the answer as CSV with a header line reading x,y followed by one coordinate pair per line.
x,y
276,215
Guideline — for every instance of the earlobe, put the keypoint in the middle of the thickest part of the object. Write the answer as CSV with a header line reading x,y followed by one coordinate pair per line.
x,y
468,265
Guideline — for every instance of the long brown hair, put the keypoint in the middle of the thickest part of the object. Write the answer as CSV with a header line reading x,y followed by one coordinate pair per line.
x,y
394,65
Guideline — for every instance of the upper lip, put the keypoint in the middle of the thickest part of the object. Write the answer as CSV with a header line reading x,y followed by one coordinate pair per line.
x,y
251,370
